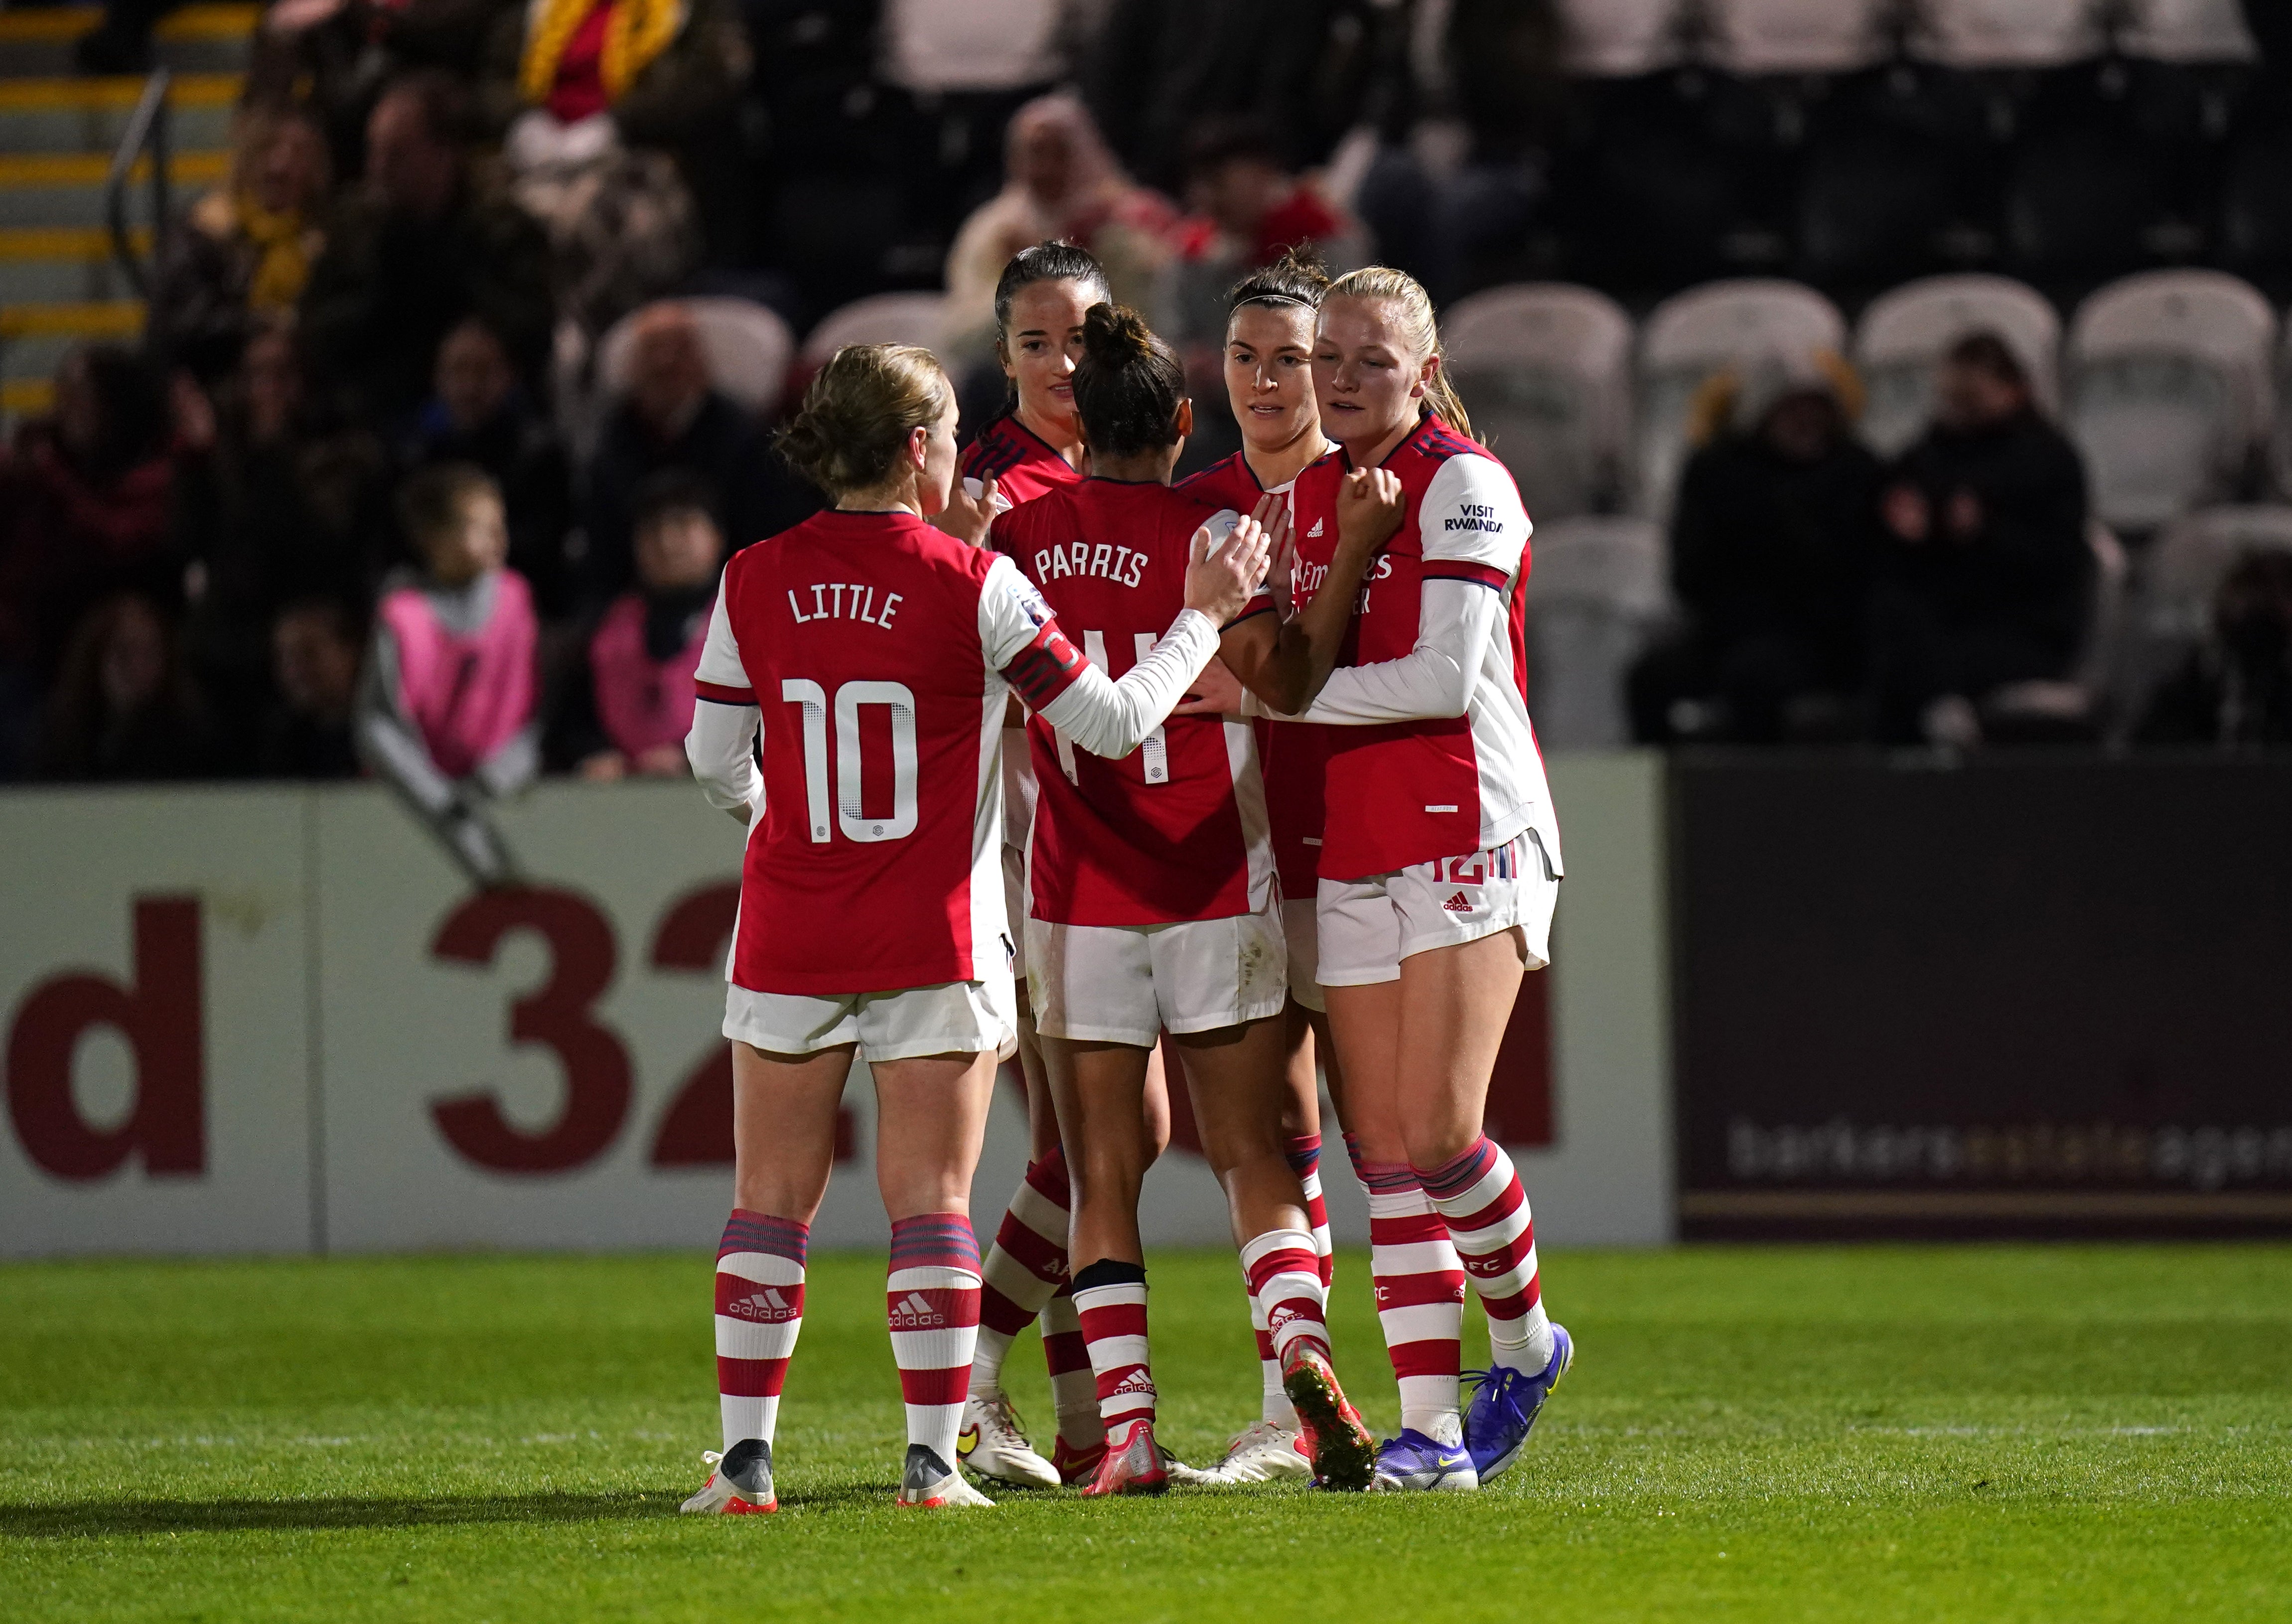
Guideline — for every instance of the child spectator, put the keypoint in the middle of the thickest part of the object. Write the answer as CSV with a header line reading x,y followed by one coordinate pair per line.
x,y
124,710
481,414
642,656
315,651
445,709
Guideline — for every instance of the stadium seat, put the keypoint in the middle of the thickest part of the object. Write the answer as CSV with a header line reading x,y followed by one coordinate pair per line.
x,y
2187,31
748,347
943,45
1621,39
2074,707
2090,194
1596,593
1546,370
2169,390
2007,33
884,319
1706,330
2171,613
1756,37
1902,335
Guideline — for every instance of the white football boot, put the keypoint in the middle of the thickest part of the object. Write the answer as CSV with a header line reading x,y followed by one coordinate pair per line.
x,y
994,1445
1263,1452
929,1481
741,1485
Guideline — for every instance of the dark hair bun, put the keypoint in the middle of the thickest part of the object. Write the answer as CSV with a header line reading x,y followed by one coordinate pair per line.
x,y
1128,384
1114,334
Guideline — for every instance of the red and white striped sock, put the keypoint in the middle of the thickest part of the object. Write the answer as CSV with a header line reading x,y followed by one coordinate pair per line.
x,y
1025,1265
1285,1277
932,1300
1074,1386
1304,1153
759,1311
1479,1195
1111,1297
1274,1407
1420,1296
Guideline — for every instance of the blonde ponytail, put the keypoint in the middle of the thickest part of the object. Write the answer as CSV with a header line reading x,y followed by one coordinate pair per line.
x,y
1418,323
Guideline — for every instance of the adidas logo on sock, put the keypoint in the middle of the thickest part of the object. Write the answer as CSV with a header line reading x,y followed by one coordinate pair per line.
x,y
1458,904
1137,1381
1280,1317
914,1312
766,1308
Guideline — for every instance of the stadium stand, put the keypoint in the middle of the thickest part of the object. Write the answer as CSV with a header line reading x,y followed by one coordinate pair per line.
x,y
1597,596
1901,336
2169,616
1547,370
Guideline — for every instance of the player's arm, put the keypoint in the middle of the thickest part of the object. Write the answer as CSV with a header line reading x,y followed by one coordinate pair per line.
x,y
722,744
1475,534
1284,664
1021,640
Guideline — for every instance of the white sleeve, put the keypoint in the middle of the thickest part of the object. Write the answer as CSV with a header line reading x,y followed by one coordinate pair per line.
x,y
721,743
1472,515
1020,640
1435,678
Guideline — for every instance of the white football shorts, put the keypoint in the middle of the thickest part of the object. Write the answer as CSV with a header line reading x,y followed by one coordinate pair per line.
x,y
952,1018
1015,910
1368,926
1130,983
1297,924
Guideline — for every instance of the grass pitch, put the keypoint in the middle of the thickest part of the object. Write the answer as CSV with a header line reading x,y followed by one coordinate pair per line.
x,y
1995,1433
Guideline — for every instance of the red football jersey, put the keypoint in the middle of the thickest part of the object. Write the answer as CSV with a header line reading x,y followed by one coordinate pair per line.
x,y
1176,829
1400,793
1023,463
1289,757
880,652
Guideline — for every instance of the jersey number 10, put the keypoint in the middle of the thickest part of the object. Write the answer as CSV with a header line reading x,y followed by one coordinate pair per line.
x,y
900,700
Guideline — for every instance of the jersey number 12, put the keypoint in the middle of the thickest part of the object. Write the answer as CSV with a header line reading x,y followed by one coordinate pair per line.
x,y
902,702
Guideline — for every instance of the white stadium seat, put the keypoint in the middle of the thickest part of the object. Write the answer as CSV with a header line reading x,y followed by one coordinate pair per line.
x,y
2008,33
1597,591
1717,328
1902,336
2172,612
2168,392
2279,450
749,349
2187,31
1779,37
941,45
882,318
1546,370
1618,39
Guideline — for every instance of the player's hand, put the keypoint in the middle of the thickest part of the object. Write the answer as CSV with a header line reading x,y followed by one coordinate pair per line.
x,y
1370,508
966,517
1273,513
1214,693
1223,576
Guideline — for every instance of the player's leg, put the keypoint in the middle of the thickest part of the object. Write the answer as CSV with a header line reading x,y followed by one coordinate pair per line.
x,y
931,1120
783,1112
1457,1000
1099,1089
1419,1279
1240,1086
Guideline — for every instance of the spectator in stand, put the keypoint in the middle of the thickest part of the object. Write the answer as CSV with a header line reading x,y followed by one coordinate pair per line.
x,y
1248,212
631,709
446,707
279,509
243,254
336,56
1772,539
86,499
124,710
1985,572
672,417
482,415
614,114
308,732
1061,185
416,249
2236,689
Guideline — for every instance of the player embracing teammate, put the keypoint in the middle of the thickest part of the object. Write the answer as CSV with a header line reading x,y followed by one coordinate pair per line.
x,y
852,689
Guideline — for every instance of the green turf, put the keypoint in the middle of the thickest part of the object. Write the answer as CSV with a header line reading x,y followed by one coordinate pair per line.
x,y
1996,1433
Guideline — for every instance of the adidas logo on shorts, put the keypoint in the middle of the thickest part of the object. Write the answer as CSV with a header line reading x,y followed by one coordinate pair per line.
x,y
1458,904
914,1312
766,1308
